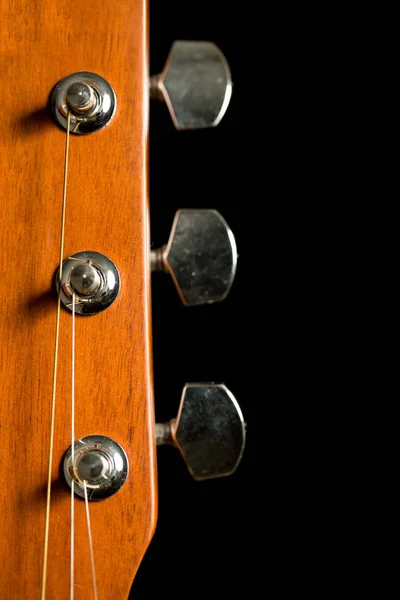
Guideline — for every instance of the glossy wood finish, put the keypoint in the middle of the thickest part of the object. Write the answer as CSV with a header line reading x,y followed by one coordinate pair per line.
x,y
107,211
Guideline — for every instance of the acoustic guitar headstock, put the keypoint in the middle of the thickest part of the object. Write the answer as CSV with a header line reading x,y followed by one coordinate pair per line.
x,y
79,433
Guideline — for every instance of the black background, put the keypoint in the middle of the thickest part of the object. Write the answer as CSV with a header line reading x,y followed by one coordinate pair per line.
x,y
204,543
276,169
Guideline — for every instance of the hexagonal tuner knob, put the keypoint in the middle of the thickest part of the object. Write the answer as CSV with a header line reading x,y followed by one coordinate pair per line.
x,y
200,256
209,430
195,84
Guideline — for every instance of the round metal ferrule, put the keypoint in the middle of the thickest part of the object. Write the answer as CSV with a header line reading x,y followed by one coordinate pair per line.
x,y
101,462
92,277
90,99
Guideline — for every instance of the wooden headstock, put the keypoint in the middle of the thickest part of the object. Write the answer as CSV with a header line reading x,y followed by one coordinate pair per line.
x,y
94,204
106,211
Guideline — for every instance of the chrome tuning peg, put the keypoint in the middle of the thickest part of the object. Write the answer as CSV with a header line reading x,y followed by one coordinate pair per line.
x,y
200,256
195,84
209,430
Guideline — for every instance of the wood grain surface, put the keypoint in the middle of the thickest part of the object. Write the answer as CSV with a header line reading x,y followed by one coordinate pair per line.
x,y
107,211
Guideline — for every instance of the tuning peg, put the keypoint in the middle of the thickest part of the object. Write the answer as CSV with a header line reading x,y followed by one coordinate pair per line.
x,y
209,430
195,84
200,256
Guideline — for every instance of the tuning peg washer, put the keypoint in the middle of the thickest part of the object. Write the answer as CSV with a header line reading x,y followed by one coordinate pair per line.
x,y
209,430
200,256
195,84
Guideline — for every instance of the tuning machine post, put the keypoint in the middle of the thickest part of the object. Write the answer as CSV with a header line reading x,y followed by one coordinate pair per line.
x,y
92,277
88,97
209,430
195,84
200,256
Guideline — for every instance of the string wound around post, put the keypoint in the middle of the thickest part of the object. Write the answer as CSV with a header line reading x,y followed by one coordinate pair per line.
x,y
100,462
90,99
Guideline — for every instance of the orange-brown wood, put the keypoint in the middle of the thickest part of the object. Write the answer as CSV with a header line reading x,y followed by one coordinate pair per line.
x,y
107,211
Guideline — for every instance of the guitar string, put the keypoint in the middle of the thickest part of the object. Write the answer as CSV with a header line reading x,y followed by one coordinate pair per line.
x,y
71,591
54,389
90,541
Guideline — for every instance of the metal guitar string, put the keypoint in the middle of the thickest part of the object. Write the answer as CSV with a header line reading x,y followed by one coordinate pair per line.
x,y
90,542
71,589
72,553
53,401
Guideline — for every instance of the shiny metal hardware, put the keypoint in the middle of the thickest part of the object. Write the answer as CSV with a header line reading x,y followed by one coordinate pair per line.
x,y
94,279
195,84
209,430
101,462
200,256
80,98
90,99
